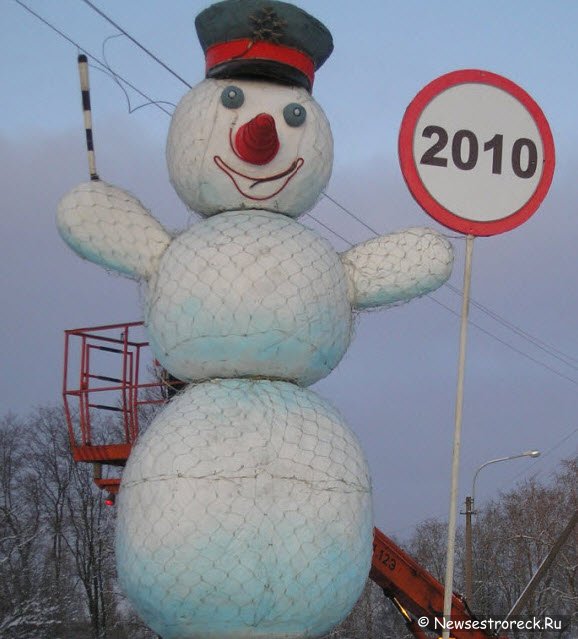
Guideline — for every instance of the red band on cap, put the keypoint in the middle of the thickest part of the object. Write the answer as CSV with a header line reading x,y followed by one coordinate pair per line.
x,y
245,49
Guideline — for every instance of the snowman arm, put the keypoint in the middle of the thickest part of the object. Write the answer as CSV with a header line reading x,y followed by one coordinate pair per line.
x,y
395,268
110,227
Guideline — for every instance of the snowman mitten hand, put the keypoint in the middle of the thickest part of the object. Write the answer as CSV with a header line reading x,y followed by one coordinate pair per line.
x,y
395,268
110,227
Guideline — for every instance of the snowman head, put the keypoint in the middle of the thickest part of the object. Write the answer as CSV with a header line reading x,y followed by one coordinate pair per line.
x,y
249,144
251,136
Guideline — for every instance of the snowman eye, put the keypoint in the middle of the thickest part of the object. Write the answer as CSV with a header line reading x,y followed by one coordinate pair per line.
x,y
294,114
232,97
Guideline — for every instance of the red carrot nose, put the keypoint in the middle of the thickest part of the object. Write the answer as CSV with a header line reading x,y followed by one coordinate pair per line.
x,y
256,141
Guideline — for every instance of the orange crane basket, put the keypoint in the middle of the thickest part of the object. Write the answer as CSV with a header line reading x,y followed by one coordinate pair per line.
x,y
102,367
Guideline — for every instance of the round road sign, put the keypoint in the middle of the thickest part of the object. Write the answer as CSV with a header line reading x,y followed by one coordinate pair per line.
x,y
476,152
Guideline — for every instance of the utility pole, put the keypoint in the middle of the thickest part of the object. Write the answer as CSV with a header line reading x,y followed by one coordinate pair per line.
x,y
470,502
469,552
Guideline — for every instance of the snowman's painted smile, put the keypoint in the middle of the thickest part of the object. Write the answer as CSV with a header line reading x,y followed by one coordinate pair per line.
x,y
244,183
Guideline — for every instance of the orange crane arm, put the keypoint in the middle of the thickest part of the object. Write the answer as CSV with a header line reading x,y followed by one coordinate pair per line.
x,y
408,584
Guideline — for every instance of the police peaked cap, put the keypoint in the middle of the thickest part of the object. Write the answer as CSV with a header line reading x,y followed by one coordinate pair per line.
x,y
262,39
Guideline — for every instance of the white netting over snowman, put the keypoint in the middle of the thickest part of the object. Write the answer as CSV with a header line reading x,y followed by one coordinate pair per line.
x,y
245,508
250,293
249,504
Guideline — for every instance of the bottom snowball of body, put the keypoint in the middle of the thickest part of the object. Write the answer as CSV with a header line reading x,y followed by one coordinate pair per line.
x,y
245,511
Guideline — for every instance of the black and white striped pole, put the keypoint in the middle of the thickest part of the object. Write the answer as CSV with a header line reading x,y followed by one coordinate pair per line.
x,y
85,90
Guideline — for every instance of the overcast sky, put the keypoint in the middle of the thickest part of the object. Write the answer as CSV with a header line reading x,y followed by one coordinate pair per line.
x,y
396,385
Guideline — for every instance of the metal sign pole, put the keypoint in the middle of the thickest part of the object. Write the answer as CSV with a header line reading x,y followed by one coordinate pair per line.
x,y
450,555
478,193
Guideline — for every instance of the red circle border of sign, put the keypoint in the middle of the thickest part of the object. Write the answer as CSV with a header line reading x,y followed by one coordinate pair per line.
x,y
414,182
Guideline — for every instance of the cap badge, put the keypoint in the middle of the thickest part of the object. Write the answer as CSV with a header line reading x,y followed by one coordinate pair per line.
x,y
267,25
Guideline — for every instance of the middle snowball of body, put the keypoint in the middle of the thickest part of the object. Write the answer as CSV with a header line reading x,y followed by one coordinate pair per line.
x,y
249,294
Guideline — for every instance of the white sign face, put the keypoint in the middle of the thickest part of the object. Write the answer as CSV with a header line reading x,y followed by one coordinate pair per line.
x,y
485,164
476,152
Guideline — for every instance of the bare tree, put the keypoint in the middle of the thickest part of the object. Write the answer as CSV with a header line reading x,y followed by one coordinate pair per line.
x,y
56,547
78,524
427,546
24,612
512,536
515,533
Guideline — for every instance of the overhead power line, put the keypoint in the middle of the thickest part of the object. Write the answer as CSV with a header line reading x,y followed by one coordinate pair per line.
x,y
103,65
493,315
547,348
557,445
566,359
135,41
506,344
329,228
527,468
349,213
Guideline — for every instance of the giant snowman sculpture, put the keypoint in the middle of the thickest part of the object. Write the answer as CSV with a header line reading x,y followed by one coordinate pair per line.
x,y
245,508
